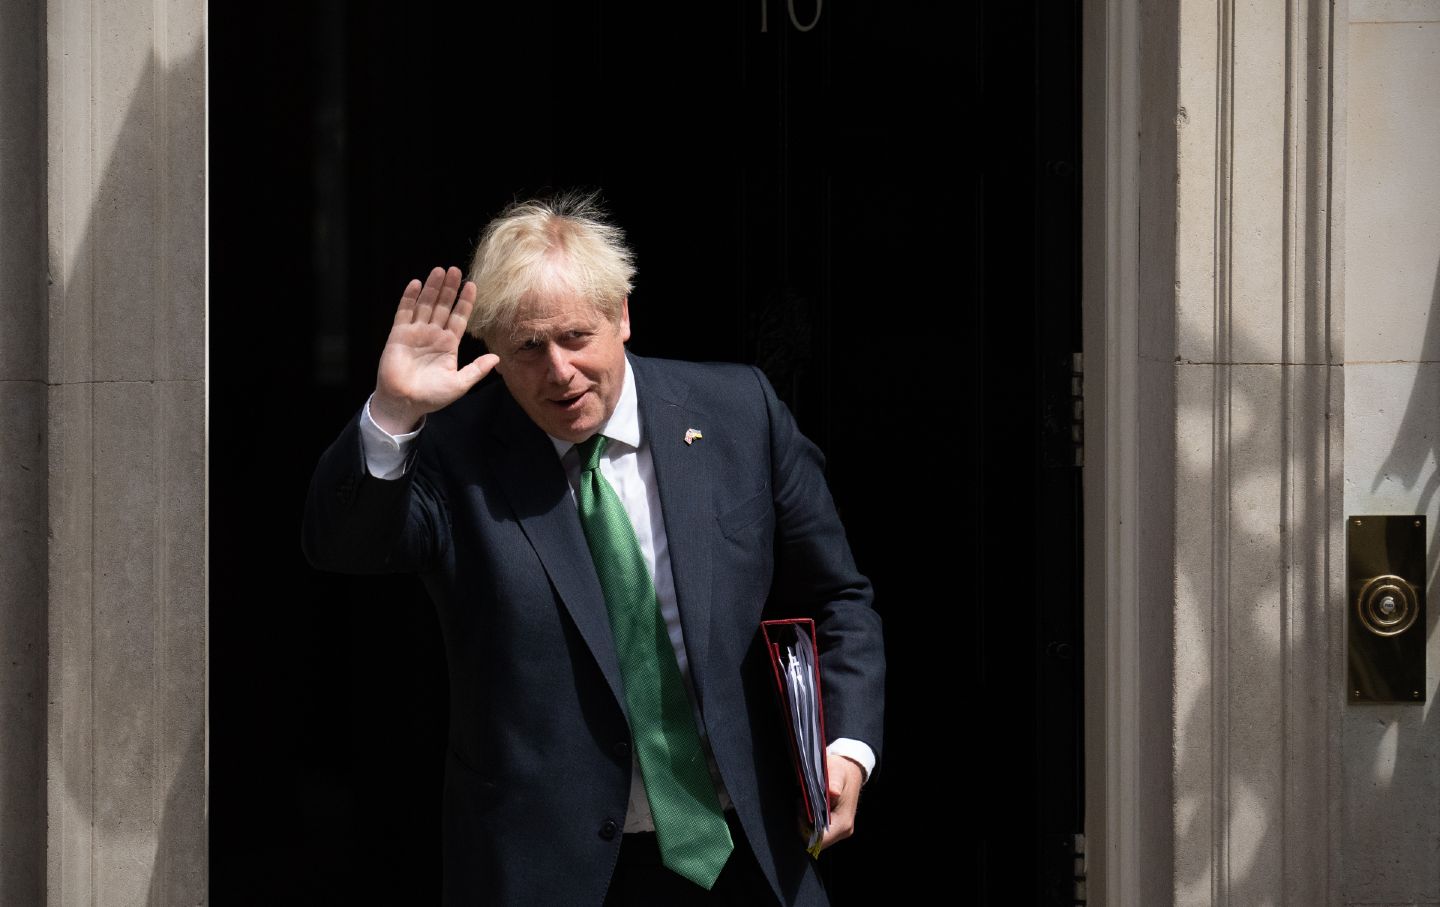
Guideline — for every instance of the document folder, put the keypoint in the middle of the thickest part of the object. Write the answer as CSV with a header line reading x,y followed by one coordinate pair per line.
x,y
795,660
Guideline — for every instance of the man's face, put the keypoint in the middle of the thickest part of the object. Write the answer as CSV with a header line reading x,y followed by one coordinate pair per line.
x,y
564,363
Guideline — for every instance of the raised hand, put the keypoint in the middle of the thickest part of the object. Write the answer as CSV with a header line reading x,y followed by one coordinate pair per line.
x,y
419,371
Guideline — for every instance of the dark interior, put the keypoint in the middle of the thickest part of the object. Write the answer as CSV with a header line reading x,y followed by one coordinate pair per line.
x,y
877,202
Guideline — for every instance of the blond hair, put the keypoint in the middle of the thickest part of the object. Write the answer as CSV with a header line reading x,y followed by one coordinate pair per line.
x,y
541,247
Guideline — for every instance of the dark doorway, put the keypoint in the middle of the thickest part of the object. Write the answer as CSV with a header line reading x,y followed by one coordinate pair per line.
x,y
877,202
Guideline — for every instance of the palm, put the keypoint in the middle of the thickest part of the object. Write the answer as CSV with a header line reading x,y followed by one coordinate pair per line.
x,y
419,363
419,371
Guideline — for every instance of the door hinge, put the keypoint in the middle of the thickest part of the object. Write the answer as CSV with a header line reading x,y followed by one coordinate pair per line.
x,y
1064,411
1077,409
1064,871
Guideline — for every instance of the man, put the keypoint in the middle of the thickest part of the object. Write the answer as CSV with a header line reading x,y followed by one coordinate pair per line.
x,y
602,535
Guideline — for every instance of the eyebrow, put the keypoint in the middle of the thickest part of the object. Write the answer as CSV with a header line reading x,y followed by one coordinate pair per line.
x,y
520,337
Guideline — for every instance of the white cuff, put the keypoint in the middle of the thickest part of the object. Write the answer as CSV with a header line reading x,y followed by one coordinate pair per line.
x,y
385,453
856,751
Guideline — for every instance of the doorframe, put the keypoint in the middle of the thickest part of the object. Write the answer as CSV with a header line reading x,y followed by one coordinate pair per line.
x,y
1111,481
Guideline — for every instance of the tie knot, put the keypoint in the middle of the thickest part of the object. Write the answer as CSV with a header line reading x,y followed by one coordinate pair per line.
x,y
590,450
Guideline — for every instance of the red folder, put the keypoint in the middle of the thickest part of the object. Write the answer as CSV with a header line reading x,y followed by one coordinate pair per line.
x,y
794,654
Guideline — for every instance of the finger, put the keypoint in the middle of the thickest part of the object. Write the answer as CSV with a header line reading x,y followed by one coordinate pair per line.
x,y
426,303
446,299
837,832
842,823
460,315
844,793
405,311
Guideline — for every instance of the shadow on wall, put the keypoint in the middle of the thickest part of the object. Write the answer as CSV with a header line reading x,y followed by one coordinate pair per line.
x,y
1241,861
133,820
1417,442
1389,770
180,874
1390,755
1414,457
1259,821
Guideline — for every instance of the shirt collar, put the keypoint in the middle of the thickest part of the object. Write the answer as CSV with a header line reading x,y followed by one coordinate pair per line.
x,y
623,426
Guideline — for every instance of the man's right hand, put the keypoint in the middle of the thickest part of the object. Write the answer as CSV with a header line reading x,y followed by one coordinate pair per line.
x,y
419,371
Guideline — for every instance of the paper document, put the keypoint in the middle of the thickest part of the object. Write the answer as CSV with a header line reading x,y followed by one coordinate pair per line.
x,y
796,663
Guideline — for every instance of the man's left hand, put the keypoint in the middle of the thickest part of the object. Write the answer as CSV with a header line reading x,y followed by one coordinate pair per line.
x,y
846,776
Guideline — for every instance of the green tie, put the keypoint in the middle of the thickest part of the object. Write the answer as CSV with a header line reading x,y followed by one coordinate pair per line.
x,y
690,829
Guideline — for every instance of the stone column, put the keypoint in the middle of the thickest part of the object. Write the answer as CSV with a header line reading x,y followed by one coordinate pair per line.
x,y
1215,613
102,500
1259,558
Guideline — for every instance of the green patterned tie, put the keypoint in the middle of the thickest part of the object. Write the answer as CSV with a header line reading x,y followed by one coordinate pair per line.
x,y
690,829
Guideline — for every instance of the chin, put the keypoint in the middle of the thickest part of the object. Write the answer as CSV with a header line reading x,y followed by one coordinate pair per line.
x,y
577,431
574,430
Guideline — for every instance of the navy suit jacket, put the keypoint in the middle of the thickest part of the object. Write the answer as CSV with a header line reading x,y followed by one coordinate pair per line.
x,y
538,765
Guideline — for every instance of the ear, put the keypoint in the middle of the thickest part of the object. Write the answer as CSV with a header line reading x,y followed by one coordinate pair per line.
x,y
624,325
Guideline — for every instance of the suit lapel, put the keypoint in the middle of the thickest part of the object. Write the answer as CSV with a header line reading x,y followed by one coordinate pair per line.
x,y
525,464
686,503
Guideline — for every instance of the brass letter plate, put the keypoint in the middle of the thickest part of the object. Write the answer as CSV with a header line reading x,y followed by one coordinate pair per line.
x,y
1386,603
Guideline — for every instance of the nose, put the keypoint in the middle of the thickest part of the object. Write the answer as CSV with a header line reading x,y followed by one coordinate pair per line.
x,y
559,368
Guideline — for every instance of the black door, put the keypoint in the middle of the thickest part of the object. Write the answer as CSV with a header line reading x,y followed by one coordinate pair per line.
x,y
876,201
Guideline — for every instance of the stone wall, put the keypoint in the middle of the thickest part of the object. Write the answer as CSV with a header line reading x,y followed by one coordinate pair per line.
x,y
1391,241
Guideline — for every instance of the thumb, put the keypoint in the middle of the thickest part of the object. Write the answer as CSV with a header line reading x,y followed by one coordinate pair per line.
x,y
478,369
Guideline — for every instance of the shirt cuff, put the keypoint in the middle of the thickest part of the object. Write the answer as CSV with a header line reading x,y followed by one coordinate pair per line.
x,y
856,751
385,454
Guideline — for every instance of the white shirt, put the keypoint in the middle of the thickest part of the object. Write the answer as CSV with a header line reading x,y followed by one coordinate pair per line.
x,y
627,465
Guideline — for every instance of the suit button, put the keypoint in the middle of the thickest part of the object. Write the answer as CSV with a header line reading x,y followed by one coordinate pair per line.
x,y
608,829
622,749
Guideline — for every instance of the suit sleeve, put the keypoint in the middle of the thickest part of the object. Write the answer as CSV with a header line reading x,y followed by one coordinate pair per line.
x,y
815,573
357,523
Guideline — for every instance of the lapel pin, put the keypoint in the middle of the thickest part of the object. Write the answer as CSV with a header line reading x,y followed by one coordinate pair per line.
x,y
692,435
